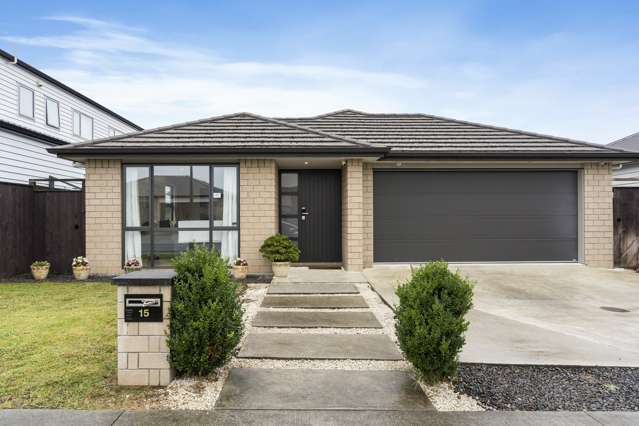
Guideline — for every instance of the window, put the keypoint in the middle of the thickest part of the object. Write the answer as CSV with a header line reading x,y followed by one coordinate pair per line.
x,y
53,113
82,125
169,208
26,102
113,132
289,222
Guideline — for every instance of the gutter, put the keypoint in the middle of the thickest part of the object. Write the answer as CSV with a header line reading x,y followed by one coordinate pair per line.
x,y
73,150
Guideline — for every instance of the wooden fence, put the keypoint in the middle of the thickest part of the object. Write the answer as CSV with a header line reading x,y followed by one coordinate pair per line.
x,y
40,223
626,227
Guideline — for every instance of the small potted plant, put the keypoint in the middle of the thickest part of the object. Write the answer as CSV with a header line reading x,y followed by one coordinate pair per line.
x,y
40,270
281,251
132,265
81,268
240,268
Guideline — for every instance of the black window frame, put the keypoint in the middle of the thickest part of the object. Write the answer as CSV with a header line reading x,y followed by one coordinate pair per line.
x,y
152,228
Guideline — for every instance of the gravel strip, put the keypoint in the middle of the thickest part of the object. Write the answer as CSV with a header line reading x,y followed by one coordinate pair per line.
x,y
549,388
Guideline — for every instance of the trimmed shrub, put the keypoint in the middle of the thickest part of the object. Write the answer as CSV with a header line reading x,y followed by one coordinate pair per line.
x,y
279,248
430,322
206,313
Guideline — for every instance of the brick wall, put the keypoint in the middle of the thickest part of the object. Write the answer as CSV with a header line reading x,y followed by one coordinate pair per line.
x,y
598,218
103,203
258,210
353,215
368,214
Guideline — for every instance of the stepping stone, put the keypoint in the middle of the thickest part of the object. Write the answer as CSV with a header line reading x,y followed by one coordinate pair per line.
x,y
313,288
320,346
283,389
314,302
316,319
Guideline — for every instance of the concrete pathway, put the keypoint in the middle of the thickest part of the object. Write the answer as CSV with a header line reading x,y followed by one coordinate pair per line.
x,y
542,314
324,297
313,417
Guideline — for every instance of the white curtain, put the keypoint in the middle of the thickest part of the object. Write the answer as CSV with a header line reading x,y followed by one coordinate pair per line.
x,y
133,239
229,212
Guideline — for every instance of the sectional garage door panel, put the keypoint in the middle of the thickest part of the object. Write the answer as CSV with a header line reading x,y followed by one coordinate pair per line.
x,y
475,216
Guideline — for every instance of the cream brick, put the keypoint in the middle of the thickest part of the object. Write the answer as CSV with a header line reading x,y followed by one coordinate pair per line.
x,y
133,343
166,376
353,226
154,377
133,377
598,217
154,343
122,360
154,360
132,361
153,328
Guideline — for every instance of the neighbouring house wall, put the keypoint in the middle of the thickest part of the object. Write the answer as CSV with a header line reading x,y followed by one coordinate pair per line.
x,y
103,204
368,215
353,215
258,210
598,226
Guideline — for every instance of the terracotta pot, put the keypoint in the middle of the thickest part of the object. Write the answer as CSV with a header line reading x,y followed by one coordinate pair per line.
x,y
240,272
280,269
81,273
39,272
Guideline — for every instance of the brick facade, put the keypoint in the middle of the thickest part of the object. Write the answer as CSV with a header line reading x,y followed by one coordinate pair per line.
x,y
353,215
598,218
368,215
258,210
103,217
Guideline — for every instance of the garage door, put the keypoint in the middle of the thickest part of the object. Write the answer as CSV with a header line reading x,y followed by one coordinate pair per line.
x,y
475,216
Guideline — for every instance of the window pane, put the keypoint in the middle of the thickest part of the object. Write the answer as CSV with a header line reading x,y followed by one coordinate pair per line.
x,y
178,200
289,204
53,113
225,196
138,244
289,227
170,244
225,242
289,182
26,102
86,126
76,123
136,196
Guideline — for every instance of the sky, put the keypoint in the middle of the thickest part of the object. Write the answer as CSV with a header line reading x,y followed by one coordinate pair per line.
x,y
565,68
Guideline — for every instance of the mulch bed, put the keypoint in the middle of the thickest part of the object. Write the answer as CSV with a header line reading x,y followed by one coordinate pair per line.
x,y
550,388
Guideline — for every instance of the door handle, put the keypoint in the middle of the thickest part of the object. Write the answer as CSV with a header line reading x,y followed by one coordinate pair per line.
x,y
304,213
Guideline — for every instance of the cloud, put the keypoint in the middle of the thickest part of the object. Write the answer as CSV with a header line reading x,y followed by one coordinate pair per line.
x,y
552,84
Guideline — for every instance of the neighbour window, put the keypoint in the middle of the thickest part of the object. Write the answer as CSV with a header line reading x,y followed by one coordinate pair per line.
x,y
169,208
82,125
53,113
26,102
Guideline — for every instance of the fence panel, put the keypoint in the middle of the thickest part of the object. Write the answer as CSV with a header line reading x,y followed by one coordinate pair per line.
x,y
626,227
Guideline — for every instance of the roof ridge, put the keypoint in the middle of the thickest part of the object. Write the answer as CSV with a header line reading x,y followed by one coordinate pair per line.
x,y
328,114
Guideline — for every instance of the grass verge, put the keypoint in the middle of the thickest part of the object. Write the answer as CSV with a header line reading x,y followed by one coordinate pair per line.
x,y
58,347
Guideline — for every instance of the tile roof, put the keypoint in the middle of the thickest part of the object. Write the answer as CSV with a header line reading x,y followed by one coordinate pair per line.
x,y
629,143
346,132
239,132
416,134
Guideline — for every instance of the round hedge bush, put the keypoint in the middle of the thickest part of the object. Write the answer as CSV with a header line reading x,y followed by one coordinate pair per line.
x,y
430,322
206,313
279,248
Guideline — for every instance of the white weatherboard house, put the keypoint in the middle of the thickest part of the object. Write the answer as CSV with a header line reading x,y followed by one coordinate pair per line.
x,y
38,112
627,175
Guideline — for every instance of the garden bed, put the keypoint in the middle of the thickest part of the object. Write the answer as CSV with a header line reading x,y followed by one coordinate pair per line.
x,y
550,388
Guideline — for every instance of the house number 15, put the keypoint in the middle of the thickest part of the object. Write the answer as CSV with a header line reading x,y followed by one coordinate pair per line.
x,y
144,313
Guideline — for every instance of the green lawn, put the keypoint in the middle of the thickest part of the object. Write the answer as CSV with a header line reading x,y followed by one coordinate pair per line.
x,y
58,347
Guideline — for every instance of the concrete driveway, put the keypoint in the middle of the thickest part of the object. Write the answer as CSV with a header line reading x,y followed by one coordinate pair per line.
x,y
542,313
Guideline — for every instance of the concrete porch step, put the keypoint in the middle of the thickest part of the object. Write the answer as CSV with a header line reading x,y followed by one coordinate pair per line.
x,y
312,301
316,319
320,346
313,288
259,389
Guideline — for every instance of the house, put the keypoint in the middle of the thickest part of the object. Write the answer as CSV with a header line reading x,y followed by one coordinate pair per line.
x,y
351,188
627,175
37,112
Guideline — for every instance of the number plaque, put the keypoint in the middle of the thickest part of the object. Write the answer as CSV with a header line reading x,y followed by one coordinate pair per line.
x,y
143,308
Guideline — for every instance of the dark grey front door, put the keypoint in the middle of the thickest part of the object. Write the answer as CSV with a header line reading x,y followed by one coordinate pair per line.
x,y
481,216
310,213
